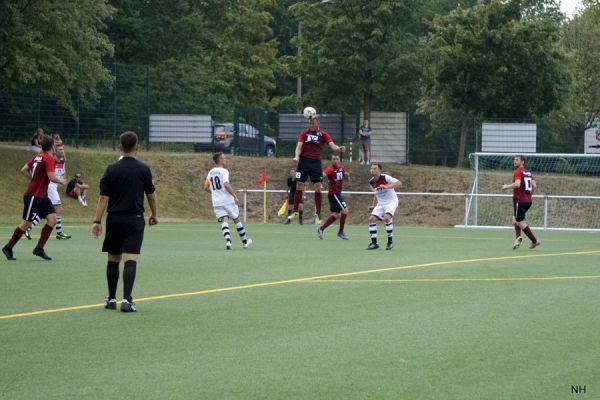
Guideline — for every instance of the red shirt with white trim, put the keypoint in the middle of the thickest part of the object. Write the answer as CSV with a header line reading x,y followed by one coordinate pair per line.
x,y
312,143
522,194
40,165
336,178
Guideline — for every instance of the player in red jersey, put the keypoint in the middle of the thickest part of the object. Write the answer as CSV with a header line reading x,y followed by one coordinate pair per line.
x,y
40,171
308,156
523,186
335,173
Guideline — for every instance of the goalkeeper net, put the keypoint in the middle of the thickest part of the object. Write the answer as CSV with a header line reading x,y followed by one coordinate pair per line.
x,y
567,196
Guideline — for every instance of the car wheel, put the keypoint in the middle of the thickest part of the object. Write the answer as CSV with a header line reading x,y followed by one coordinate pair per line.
x,y
270,151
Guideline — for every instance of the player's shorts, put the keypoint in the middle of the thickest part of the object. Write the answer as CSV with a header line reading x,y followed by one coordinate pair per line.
x,y
309,168
228,210
387,208
124,233
33,206
291,197
519,210
53,195
72,194
336,203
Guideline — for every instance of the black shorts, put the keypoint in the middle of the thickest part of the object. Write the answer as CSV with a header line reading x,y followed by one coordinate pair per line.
x,y
336,203
309,168
291,197
33,206
124,233
519,210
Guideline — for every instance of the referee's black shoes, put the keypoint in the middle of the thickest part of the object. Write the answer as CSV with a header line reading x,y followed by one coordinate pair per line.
x,y
128,306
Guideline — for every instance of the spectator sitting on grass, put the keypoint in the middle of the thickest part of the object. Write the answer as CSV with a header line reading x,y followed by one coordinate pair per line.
x,y
76,189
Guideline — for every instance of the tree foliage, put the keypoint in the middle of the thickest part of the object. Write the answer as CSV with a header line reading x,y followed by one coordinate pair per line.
x,y
55,46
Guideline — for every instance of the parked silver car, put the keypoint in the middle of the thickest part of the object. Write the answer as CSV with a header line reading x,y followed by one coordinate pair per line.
x,y
223,139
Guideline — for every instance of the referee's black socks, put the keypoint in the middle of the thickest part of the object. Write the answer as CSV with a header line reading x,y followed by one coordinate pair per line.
x,y
112,277
128,278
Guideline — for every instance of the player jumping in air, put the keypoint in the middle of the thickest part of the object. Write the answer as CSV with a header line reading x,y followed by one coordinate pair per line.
x,y
384,205
335,173
224,200
308,156
523,186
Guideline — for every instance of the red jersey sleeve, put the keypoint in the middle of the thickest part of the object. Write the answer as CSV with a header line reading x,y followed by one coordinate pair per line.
x,y
517,174
328,170
50,163
326,137
302,136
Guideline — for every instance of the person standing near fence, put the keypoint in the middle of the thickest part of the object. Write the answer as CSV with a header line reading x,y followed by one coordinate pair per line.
x,y
40,171
523,186
308,158
364,135
122,189
225,201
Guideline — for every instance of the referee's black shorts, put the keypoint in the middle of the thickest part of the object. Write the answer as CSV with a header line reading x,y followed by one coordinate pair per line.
x,y
33,206
309,168
336,202
124,233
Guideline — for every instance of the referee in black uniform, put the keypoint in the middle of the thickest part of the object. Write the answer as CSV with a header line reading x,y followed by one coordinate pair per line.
x,y
122,189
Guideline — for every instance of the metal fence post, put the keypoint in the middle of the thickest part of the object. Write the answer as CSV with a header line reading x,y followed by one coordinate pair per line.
x,y
147,109
77,125
466,223
545,212
245,202
114,136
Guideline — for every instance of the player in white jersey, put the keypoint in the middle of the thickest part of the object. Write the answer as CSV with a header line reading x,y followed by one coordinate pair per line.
x,y
224,200
384,205
60,171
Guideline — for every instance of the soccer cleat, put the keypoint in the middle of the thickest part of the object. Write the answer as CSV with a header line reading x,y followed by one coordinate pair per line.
x,y
228,245
38,251
110,304
534,245
517,244
128,306
288,220
8,253
28,233
62,236
389,246
373,246
292,216
318,219
320,233
248,243
343,236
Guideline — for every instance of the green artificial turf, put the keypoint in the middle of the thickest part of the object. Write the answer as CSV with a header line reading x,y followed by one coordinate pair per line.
x,y
447,314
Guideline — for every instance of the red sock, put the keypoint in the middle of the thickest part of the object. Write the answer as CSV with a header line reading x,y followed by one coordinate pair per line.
x,y
517,229
46,231
297,199
530,234
329,221
15,237
318,201
342,222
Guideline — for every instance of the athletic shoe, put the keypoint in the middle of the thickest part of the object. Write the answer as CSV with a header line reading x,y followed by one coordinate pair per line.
x,y
110,304
342,235
228,246
8,253
28,233
320,233
288,220
318,219
248,243
534,245
389,246
517,244
62,236
373,246
291,217
38,251
128,306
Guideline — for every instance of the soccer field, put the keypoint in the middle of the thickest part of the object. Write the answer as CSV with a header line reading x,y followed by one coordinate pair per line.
x,y
447,314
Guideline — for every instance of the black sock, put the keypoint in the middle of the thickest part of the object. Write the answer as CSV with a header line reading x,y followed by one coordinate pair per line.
x,y
290,211
112,277
300,216
374,240
128,278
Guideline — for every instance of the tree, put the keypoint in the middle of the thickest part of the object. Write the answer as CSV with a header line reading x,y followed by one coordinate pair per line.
x,y
358,53
56,47
502,59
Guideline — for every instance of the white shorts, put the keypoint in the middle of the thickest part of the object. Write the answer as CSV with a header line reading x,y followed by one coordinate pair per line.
x,y
228,210
387,208
53,195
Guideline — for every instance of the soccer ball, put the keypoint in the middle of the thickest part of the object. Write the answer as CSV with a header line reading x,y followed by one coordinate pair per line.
x,y
309,113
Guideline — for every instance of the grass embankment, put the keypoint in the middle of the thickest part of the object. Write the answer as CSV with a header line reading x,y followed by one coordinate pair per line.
x,y
178,177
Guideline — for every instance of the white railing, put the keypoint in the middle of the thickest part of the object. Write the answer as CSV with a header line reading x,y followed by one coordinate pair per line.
x,y
470,199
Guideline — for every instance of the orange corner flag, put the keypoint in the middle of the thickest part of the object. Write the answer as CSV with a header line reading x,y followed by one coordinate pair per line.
x,y
263,177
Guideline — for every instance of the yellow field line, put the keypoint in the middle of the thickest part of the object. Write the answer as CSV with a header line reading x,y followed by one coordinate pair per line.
x,y
304,279
426,280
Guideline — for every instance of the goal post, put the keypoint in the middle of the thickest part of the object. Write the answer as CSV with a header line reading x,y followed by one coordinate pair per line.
x,y
567,195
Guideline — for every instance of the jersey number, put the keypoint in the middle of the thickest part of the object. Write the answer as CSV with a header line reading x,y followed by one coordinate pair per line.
x,y
35,164
528,183
215,182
